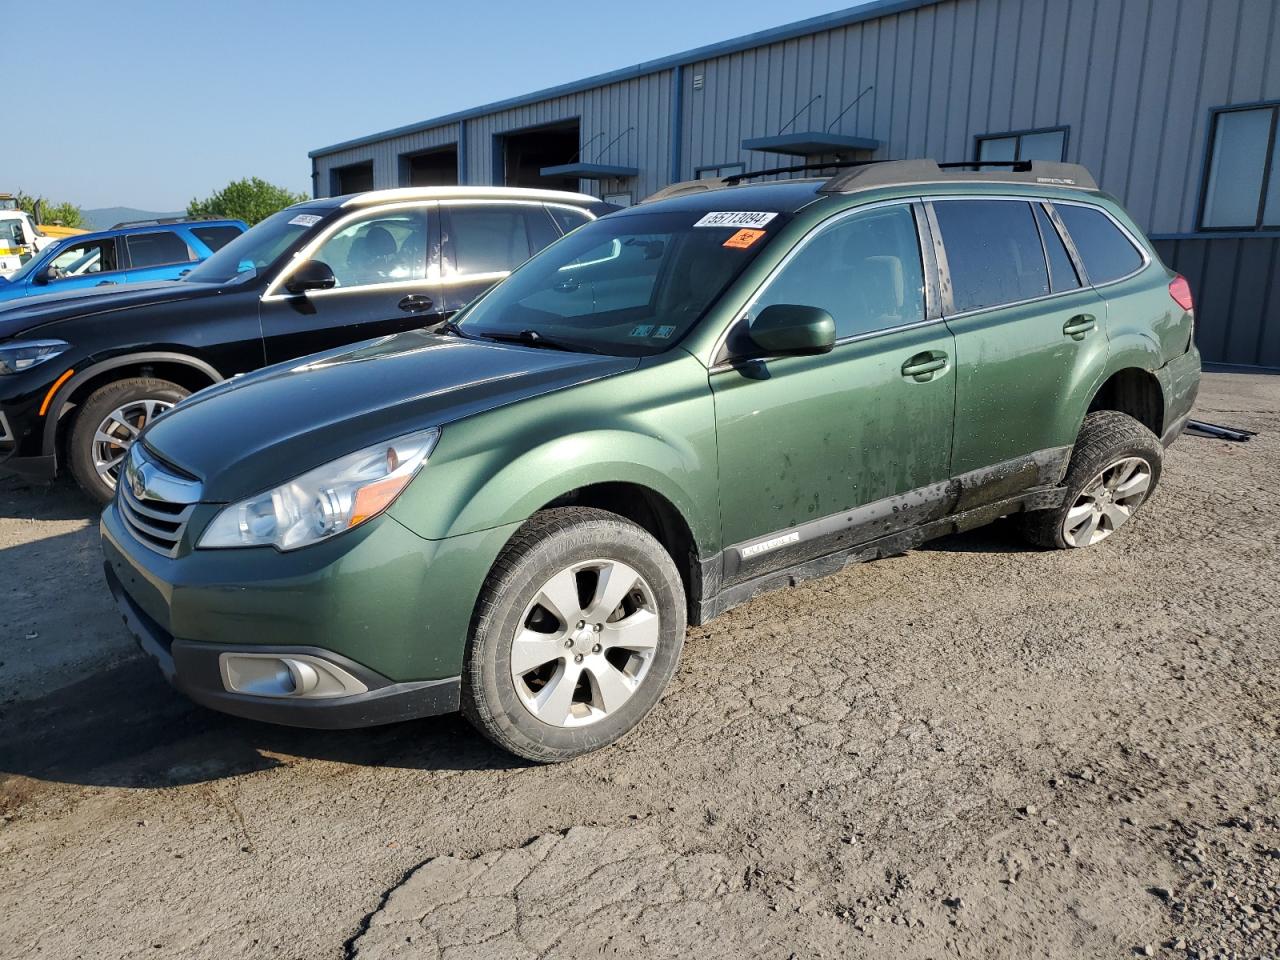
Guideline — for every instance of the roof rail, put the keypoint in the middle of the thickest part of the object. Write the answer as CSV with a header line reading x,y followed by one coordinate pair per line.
x,y
160,221
869,174
901,172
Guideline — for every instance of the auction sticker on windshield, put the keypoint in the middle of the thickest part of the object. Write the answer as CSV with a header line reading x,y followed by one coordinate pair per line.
x,y
735,218
743,239
305,220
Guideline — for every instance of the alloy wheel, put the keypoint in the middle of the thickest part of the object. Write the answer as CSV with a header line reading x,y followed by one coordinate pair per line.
x,y
1107,502
116,433
585,643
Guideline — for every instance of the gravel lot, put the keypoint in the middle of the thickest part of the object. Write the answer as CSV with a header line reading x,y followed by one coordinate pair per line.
x,y
974,750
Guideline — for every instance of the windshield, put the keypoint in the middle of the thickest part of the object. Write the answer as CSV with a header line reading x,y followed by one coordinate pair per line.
x,y
630,285
256,248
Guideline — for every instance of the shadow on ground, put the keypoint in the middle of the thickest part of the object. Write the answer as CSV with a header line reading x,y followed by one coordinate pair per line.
x,y
124,727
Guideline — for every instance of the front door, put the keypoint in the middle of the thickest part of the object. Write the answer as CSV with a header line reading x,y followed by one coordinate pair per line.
x,y
1030,340
387,268
80,263
816,453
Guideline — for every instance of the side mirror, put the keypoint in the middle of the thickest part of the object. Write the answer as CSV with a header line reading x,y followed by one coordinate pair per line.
x,y
311,275
793,329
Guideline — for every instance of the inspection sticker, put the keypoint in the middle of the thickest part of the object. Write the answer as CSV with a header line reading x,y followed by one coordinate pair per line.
x,y
305,220
735,218
643,330
743,239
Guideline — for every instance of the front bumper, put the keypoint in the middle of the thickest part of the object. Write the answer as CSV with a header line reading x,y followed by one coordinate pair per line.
x,y
193,669
381,603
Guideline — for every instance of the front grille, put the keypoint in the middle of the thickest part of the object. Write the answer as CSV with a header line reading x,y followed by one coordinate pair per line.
x,y
155,503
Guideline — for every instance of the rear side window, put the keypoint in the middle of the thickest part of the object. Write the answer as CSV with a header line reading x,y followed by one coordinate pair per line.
x,y
1062,273
156,249
568,218
215,238
1107,254
487,238
993,252
864,270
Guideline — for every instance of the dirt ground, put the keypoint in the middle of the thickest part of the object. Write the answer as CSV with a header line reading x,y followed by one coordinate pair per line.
x,y
975,750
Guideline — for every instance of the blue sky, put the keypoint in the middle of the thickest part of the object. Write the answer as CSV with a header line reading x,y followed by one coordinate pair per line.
x,y
146,104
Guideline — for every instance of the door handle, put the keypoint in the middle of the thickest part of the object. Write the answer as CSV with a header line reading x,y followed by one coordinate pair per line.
x,y
416,303
105,283
923,366
1079,325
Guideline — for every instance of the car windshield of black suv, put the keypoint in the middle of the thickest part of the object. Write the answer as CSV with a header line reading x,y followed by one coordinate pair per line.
x,y
256,248
629,285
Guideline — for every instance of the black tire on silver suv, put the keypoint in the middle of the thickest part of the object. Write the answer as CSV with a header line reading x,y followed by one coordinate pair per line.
x,y
1114,469
576,633
105,427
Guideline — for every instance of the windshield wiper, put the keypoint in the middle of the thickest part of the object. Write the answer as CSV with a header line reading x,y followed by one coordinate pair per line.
x,y
532,338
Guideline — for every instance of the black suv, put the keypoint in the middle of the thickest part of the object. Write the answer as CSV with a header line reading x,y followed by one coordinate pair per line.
x,y
82,373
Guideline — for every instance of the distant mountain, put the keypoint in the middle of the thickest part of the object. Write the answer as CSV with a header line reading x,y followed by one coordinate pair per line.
x,y
107,217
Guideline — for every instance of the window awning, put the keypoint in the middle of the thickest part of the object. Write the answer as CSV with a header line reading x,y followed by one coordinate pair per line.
x,y
811,144
589,171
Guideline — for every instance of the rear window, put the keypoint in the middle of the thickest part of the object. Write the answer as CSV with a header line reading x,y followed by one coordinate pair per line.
x,y
1062,274
487,238
215,238
993,252
1107,254
156,249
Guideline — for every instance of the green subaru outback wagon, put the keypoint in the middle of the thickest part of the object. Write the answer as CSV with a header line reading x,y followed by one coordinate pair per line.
x,y
720,391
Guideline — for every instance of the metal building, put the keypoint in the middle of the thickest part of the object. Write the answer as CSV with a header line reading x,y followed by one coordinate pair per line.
x,y
1171,103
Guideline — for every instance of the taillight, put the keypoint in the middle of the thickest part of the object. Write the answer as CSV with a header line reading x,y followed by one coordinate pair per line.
x,y
1180,290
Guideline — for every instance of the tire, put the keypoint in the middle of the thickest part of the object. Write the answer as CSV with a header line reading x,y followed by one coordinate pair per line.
x,y
1113,453
140,398
614,676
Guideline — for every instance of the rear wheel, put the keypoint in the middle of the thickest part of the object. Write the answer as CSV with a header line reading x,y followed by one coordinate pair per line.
x,y
106,426
577,631
1114,468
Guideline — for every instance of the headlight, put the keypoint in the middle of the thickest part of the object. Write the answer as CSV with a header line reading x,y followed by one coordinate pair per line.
x,y
19,355
325,501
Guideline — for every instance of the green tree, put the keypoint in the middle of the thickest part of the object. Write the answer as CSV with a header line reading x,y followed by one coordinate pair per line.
x,y
250,200
63,214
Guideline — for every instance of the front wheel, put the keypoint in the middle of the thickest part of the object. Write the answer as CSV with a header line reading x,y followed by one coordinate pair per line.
x,y
1114,469
577,631
106,426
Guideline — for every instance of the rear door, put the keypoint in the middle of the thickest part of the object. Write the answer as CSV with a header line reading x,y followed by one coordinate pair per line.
x,y
482,241
1029,339
156,255
386,262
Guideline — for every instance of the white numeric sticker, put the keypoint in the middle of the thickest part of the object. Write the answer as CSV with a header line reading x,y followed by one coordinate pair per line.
x,y
735,218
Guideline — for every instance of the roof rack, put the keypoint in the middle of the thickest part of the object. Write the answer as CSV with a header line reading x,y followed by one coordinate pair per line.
x,y
159,221
717,183
869,174
899,172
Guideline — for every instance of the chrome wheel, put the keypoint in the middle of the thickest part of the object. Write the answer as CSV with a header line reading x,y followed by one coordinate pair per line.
x,y
585,643
116,433
1107,502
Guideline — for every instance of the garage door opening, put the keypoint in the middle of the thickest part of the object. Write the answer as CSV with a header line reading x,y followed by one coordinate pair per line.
x,y
524,154
430,168
355,178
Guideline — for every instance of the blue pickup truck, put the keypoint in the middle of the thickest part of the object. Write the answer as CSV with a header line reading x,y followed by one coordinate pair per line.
x,y
127,253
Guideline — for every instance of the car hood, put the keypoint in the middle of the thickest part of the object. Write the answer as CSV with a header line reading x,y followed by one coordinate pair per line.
x,y
29,313
257,431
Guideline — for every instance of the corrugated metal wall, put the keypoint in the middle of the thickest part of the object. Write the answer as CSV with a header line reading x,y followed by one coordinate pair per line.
x,y
1133,80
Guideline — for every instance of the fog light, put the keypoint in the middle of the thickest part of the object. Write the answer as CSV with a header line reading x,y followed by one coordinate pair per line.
x,y
295,675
